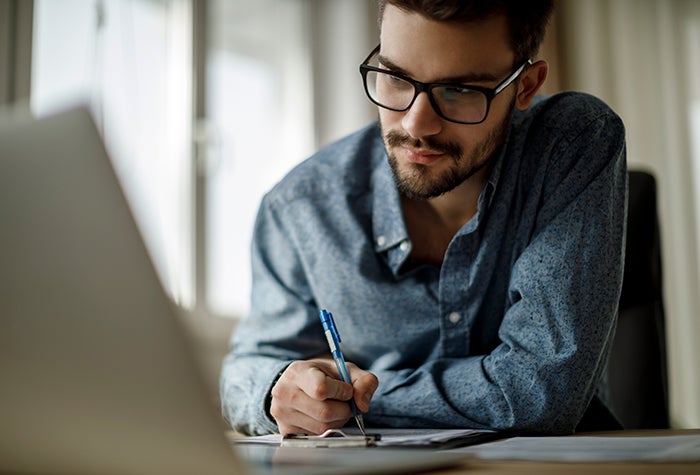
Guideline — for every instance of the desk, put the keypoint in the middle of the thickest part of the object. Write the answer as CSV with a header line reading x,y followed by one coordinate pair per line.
x,y
538,468
483,467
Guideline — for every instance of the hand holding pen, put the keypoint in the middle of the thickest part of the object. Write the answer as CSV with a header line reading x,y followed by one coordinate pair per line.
x,y
309,397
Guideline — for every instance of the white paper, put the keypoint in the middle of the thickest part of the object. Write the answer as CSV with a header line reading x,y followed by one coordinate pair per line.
x,y
394,437
671,448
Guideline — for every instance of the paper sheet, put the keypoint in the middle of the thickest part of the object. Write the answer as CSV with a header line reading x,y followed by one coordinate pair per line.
x,y
671,448
438,438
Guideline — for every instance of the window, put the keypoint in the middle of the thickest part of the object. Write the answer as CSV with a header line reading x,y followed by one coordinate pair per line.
x,y
271,73
692,62
130,61
259,104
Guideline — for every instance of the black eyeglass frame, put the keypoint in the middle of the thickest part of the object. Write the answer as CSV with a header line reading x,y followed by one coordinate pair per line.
x,y
427,87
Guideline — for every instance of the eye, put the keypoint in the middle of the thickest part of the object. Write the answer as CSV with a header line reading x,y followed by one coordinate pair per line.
x,y
454,93
396,82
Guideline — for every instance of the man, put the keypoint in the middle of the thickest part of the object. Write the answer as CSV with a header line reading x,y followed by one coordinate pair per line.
x,y
470,248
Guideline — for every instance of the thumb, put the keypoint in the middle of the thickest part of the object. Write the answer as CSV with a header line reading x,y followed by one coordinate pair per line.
x,y
365,387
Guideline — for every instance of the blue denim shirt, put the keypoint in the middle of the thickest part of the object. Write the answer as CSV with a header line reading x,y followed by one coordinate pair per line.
x,y
512,332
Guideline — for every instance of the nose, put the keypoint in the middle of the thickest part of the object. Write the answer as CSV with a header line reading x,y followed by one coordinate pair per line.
x,y
421,120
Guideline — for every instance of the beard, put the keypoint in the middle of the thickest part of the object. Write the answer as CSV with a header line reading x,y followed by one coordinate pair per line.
x,y
418,181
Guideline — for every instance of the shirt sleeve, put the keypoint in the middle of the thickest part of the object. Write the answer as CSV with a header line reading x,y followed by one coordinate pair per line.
x,y
563,296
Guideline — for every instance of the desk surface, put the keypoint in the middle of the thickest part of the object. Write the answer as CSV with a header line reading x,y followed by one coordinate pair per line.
x,y
521,468
483,467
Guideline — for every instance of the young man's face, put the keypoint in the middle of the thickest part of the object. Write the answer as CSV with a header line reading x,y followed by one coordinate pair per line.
x,y
428,154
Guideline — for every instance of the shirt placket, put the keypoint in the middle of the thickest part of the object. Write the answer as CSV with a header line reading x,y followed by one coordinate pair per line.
x,y
455,295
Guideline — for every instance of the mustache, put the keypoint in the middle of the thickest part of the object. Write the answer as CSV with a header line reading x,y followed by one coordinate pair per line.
x,y
396,139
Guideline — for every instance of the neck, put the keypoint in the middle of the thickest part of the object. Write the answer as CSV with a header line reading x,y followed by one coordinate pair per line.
x,y
457,206
433,223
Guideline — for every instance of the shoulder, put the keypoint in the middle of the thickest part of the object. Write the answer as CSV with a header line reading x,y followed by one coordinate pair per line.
x,y
560,131
563,143
570,114
342,166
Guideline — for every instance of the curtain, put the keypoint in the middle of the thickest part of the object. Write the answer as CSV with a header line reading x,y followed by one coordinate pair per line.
x,y
15,51
643,58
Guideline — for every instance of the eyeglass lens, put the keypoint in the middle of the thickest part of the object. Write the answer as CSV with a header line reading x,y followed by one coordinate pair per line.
x,y
454,102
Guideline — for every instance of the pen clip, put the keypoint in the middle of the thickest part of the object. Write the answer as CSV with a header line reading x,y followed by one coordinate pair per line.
x,y
331,331
329,325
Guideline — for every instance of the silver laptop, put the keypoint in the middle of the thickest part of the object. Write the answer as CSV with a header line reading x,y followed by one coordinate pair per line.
x,y
96,372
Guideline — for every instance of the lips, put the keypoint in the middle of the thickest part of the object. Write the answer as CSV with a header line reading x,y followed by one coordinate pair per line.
x,y
421,156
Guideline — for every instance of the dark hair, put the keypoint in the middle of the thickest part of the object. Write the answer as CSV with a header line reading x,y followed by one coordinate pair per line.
x,y
527,20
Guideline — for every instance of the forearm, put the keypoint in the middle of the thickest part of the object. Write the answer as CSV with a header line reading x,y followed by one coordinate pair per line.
x,y
501,391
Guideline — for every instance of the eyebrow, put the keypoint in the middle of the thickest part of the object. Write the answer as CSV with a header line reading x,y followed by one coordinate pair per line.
x,y
464,79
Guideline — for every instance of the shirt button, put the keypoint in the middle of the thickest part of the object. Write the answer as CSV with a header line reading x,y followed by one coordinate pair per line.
x,y
403,246
381,240
454,317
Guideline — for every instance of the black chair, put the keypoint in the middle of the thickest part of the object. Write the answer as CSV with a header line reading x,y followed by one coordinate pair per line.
x,y
637,365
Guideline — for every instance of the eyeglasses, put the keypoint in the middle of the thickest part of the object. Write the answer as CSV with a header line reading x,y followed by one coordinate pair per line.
x,y
458,103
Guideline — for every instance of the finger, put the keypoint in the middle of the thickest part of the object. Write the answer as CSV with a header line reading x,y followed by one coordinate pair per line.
x,y
364,385
365,388
293,409
289,429
320,386
311,378
313,419
324,410
313,370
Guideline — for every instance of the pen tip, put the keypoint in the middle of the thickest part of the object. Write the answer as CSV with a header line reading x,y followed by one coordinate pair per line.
x,y
360,424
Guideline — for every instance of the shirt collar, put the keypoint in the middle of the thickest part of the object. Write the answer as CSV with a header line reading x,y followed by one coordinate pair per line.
x,y
388,227
489,189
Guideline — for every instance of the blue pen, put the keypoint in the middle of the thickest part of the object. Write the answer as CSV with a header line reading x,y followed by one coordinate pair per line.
x,y
334,343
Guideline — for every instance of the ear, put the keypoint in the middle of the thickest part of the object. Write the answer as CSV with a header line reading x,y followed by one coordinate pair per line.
x,y
530,82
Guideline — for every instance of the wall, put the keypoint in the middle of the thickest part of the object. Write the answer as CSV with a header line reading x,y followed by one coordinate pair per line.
x,y
643,58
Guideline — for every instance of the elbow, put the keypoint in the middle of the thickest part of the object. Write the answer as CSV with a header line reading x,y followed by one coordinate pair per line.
x,y
541,413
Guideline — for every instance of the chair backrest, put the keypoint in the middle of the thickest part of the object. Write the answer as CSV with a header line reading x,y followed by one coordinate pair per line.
x,y
637,365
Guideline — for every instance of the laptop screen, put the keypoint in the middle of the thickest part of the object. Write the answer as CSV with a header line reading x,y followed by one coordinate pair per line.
x,y
98,373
